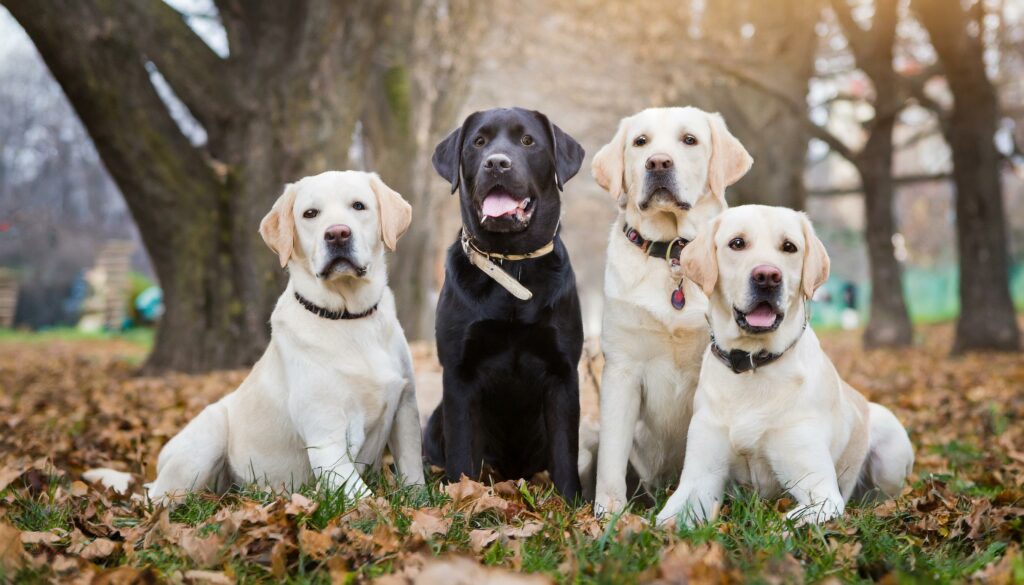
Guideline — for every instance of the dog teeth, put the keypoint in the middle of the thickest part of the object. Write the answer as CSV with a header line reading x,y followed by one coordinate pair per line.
x,y
483,219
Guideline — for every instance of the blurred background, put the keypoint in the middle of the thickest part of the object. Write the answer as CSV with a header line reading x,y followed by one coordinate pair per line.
x,y
141,141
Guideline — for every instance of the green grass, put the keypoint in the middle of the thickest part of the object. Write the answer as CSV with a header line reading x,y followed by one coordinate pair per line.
x,y
143,337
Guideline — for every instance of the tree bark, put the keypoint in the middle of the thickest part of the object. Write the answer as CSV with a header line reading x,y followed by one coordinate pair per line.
x,y
987,317
782,49
418,84
889,323
282,105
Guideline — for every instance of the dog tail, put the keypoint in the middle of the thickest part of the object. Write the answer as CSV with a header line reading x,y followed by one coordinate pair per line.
x,y
433,438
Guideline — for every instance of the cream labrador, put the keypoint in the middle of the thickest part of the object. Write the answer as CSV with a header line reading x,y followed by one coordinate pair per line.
x,y
335,385
667,169
770,410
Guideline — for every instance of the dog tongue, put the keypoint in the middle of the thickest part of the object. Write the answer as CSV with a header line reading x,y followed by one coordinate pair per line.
x,y
499,204
762,316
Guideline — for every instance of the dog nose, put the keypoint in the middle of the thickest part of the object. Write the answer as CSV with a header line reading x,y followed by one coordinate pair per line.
x,y
659,162
498,162
765,276
337,233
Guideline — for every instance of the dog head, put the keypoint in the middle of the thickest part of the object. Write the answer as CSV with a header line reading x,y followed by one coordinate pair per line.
x,y
509,165
335,224
668,160
757,264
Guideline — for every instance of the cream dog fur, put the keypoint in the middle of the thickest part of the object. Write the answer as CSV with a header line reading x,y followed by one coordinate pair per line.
x,y
667,169
792,423
328,394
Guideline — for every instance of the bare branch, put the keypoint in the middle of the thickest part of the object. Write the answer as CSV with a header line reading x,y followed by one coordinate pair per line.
x,y
898,181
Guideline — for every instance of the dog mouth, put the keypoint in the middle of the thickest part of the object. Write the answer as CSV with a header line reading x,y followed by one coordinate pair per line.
x,y
662,193
340,266
501,210
762,318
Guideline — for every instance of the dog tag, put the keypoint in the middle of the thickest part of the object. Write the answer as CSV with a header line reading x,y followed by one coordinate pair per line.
x,y
678,298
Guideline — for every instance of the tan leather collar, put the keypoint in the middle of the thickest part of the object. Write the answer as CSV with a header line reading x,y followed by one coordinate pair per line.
x,y
485,262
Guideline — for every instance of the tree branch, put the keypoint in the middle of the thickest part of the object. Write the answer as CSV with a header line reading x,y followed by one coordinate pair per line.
x,y
196,74
897,181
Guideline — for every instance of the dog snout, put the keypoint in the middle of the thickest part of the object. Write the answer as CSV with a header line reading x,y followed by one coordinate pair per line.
x,y
766,277
659,162
337,234
498,162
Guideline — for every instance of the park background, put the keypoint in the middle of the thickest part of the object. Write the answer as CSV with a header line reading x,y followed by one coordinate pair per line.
x,y
141,142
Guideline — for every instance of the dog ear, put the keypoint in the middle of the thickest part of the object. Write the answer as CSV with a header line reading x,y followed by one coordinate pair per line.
x,y
609,164
729,160
699,260
816,261
567,153
447,157
395,213
278,226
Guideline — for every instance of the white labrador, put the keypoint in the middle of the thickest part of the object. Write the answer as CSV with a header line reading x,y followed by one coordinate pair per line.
x,y
668,169
336,382
770,410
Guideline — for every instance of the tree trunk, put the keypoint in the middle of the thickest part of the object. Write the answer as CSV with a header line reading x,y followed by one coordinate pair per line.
x,y
889,323
782,49
987,317
284,104
417,87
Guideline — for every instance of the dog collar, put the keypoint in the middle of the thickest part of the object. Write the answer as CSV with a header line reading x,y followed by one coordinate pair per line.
x,y
740,361
485,262
668,251
332,315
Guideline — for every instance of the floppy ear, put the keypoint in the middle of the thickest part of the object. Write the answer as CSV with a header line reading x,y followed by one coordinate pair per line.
x,y
699,259
729,160
447,157
395,213
278,226
816,262
609,164
568,153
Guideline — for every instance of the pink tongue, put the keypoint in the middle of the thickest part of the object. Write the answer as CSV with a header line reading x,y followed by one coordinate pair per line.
x,y
499,204
762,316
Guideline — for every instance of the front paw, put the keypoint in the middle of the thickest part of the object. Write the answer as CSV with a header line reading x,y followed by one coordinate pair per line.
x,y
814,513
606,503
687,510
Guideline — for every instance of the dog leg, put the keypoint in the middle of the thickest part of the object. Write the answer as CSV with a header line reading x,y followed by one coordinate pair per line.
x,y
803,464
705,473
562,422
462,453
890,458
195,458
620,408
404,441
332,464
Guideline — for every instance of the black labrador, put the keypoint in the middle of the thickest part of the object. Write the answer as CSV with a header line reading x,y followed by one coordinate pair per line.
x,y
511,393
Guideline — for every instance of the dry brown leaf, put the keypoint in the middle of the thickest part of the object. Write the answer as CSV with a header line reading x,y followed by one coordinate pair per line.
x,y
463,571
208,578
685,564
39,538
12,555
315,544
99,548
300,504
204,552
481,538
428,522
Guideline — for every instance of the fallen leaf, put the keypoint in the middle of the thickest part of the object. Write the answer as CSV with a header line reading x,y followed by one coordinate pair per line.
x,y
12,555
39,538
208,578
428,522
315,544
99,548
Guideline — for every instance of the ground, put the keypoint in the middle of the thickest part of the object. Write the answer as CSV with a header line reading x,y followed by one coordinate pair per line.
x,y
70,405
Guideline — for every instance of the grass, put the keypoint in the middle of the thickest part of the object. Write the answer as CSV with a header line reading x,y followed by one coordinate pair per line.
x,y
142,337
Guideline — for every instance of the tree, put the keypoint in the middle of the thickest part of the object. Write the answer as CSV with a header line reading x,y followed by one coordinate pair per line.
x,y
419,82
889,323
987,318
282,104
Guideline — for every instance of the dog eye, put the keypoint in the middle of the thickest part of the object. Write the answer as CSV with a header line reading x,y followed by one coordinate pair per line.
x,y
527,140
788,247
737,244
479,141
689,139
358,206
640,140
310,213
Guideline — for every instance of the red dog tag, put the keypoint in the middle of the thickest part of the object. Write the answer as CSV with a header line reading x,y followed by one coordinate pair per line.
x,y
678,298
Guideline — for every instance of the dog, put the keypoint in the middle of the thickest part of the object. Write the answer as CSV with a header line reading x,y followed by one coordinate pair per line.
x,y
667,169
770,410
509,329
336,384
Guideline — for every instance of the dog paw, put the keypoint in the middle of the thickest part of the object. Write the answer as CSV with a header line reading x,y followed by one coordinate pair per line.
x,y
605,504
814,513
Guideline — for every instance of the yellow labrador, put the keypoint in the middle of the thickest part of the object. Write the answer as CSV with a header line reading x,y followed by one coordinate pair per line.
x,y
668,169
336,382
770,410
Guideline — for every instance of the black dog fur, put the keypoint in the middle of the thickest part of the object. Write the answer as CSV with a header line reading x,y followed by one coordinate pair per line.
x,y
511,393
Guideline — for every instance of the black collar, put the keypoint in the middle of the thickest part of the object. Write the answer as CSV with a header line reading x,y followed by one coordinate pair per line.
x,y
740,361
668,251
328,314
